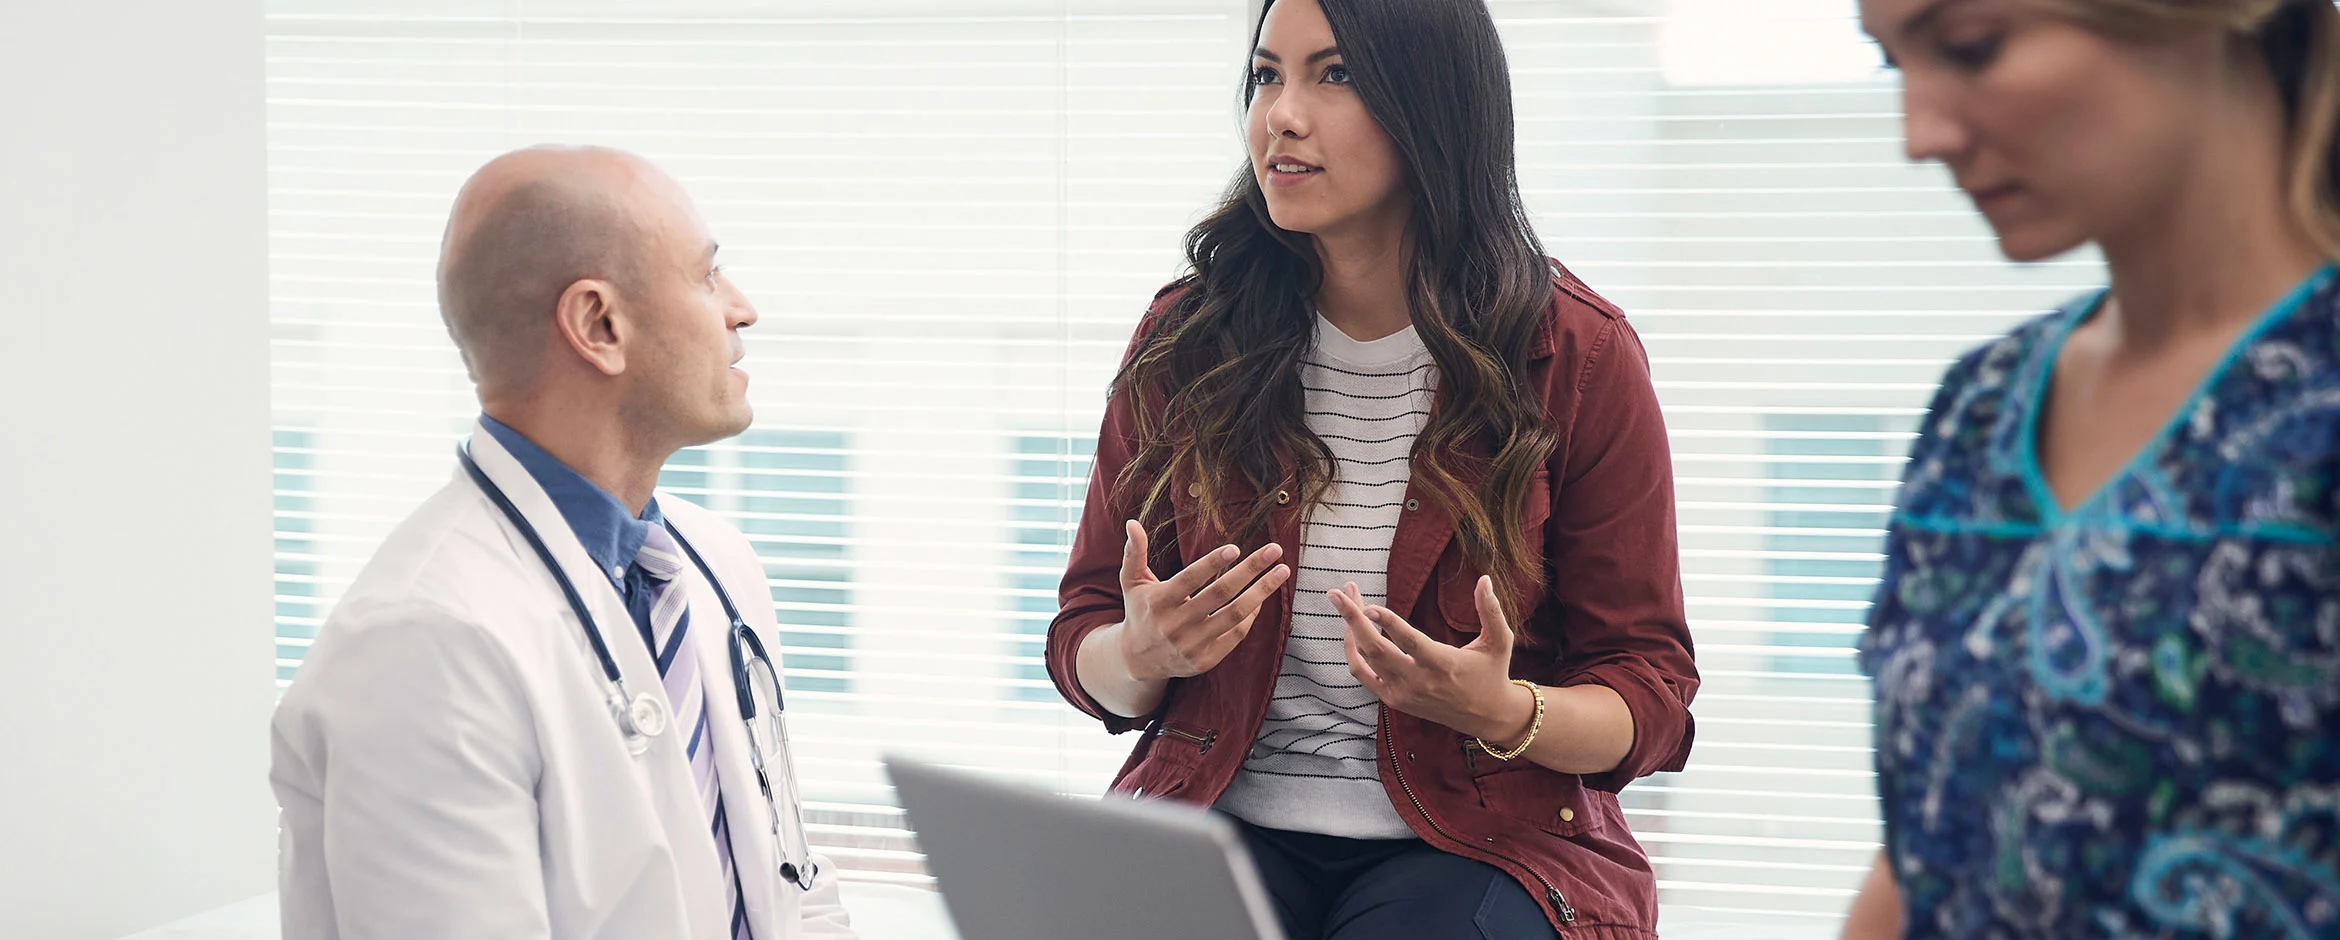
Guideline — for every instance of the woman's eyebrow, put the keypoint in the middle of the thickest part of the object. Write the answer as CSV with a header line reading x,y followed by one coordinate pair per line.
x,y
1319,56
1925,19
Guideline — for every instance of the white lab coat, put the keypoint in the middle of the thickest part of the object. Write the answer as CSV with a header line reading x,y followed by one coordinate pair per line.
x,y
447,766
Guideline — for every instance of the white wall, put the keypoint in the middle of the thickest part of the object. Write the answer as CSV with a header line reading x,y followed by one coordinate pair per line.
x,y
135,638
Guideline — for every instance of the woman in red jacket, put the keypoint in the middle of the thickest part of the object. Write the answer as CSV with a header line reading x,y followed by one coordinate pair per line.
x,y
1371,432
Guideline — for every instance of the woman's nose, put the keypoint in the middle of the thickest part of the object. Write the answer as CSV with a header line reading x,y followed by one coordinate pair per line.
x,y
1287,116
1929,130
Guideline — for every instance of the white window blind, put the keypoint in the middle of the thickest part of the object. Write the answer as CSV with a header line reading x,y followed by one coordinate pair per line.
x,y
951,215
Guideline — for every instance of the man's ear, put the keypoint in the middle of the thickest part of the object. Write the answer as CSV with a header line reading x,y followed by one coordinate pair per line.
x,y
588,317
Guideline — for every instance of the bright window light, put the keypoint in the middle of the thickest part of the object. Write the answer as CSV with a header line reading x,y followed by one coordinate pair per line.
x,y
1766,42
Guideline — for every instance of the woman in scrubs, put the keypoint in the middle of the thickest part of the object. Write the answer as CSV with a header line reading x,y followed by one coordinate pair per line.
x,y
2107,645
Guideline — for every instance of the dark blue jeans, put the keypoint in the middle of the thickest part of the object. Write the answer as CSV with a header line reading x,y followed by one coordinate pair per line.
x,y
1330,888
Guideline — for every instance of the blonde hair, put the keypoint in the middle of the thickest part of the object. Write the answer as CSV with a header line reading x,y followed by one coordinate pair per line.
x,y
2300,40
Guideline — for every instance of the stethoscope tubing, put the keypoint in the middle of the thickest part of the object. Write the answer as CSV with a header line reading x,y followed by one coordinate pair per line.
x,y
609,666
740,635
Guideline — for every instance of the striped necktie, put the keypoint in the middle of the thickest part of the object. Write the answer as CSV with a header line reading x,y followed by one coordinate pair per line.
x,y
670,626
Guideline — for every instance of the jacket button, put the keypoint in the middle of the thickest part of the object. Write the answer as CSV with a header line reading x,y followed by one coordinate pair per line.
x,y
1567,815
1283,498
1413,505
1194,490
1409,755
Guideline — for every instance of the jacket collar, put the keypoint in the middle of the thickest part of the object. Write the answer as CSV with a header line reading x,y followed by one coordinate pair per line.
x,y
610,535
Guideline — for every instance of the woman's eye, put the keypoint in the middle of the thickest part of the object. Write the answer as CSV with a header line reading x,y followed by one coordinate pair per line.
x,y
1337,74
1265,75
1972,55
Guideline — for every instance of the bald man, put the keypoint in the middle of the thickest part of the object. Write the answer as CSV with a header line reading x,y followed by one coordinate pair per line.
x,y
527,717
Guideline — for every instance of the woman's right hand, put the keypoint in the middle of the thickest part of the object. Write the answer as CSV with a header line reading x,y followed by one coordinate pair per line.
x,y
1184,626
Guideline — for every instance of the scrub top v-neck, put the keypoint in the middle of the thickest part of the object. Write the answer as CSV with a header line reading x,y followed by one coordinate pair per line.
x,y
2120,719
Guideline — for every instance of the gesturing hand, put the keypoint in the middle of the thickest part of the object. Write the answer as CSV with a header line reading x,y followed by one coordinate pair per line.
x,y
1467,688
1184,626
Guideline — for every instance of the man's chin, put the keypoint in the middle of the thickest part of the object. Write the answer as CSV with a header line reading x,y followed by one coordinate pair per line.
x,y
733,422
743,417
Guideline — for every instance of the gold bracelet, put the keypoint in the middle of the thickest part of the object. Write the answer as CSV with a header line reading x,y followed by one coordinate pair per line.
x,y
1538,725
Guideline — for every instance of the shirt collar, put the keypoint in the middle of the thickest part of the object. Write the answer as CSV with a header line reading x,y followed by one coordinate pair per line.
x,y
611,536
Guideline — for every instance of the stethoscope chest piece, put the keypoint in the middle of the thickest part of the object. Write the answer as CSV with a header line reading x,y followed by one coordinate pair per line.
x,y
648,716
641,718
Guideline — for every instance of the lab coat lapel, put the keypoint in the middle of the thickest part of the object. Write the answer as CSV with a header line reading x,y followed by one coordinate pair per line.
x,y
753,852
664,769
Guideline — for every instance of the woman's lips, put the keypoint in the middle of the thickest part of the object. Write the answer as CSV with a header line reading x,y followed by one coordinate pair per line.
x,y
1985,199
1284,172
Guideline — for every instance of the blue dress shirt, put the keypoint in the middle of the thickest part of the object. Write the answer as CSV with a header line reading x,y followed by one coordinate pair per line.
x,y
611,535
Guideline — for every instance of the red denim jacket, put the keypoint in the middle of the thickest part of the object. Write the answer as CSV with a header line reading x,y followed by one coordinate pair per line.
x,y
1609,613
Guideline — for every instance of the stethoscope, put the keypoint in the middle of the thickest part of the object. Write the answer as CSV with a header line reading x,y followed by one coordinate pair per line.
x,y
642,717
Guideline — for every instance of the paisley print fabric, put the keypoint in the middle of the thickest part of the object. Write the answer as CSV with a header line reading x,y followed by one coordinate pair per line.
x,y
2120,719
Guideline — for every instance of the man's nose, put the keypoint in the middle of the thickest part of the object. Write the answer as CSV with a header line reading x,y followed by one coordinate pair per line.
x,y
743,310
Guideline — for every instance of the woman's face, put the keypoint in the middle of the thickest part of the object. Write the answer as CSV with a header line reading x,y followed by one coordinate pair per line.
x,y
2059,134
1325,164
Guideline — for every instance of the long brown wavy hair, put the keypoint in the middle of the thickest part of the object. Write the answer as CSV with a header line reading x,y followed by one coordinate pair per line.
x,y
1215,380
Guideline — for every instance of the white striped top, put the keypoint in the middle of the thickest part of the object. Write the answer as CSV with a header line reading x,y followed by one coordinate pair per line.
x,y
1312,768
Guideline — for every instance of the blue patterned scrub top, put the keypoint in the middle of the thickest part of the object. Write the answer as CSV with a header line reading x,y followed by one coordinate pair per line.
x,y
2119,720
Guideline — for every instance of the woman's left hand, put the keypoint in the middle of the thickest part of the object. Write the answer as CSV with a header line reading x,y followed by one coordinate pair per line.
x,y
1467,688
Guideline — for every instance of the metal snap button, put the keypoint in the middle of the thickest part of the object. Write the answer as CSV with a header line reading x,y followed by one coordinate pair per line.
x,y
1283,498
1413,505
1567,815
1194,490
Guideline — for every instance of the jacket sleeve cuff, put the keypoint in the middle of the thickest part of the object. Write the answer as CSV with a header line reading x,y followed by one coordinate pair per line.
x,y
1662,725
822,915
1064,667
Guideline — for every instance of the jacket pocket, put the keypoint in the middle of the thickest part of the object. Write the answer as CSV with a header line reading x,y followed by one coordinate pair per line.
x,y
1172,755
1456,580
1555,802
1175,733
1194,538
1539,504
1457,586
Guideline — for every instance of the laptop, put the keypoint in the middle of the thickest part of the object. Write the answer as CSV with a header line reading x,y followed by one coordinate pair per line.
x,y
1021,864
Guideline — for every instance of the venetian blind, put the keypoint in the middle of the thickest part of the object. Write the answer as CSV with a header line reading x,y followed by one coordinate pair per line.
x,y
951,214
